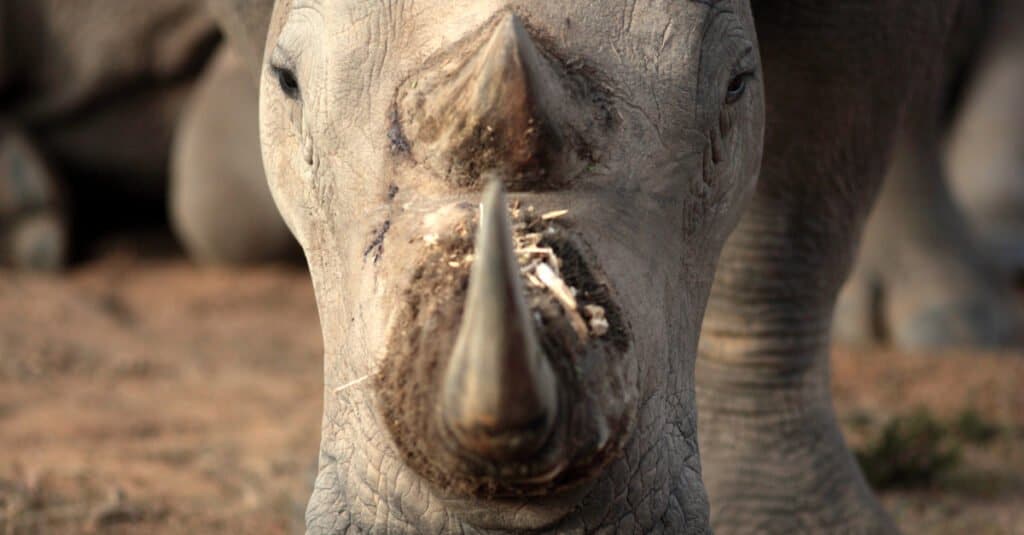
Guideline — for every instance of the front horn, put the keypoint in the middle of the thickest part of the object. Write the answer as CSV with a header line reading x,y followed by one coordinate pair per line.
x,y
499,398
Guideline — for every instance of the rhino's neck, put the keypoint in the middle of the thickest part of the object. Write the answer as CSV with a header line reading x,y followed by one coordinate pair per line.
x,y
362,485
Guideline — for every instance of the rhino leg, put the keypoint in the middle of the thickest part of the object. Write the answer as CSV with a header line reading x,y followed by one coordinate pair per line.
x,y
986,147
33,231
220,205
922,279
774,459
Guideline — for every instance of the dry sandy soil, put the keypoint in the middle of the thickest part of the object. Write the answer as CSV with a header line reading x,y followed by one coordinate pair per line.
x,y
141,395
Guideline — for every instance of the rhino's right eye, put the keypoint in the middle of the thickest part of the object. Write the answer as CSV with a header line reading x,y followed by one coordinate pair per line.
x,y
737,86
286,79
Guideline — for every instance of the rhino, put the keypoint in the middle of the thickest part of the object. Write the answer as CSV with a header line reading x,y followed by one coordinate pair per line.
x,y
101,101
544,236
944,239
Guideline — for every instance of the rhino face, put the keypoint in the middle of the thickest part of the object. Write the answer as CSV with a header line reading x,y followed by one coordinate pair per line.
x,y
511,211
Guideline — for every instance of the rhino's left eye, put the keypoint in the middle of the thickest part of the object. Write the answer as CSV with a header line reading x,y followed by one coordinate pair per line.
x,y
286,79
737,86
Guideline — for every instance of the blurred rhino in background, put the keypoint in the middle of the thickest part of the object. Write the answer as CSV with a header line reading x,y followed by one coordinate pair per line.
x,y
946,237
93,96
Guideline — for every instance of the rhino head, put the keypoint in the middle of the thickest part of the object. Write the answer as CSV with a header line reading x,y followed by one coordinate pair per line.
x,y
511,212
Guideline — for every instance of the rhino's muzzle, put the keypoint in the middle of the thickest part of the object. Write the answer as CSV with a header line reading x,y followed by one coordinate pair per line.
x,y
500,395
495,384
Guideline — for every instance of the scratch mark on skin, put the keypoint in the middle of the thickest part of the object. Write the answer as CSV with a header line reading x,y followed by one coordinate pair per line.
x,y
354,382
666,36
376,247
399,144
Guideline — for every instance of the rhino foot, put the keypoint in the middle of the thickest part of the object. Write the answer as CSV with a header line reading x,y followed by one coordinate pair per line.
x,y
924,282
964,310
36,243
33,231
774,457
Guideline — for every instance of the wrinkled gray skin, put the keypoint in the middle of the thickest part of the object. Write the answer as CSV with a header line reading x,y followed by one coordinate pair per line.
x,y
925,279
91,95
674,170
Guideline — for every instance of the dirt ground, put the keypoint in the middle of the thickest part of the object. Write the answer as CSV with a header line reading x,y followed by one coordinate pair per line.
x,y
141,395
